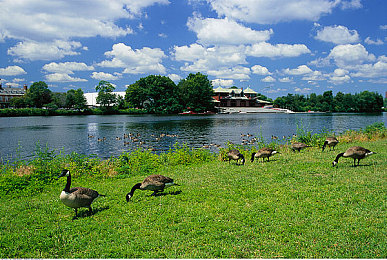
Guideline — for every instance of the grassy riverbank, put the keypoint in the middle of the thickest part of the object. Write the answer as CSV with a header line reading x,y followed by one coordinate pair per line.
x,y
295,206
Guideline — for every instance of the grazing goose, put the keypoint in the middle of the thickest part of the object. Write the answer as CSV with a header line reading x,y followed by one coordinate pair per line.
x,y
299,146
355,152
234,154
77,197
263,153
331,142
155,183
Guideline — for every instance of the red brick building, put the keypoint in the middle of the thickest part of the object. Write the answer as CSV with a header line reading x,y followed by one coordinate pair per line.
x,y
235,97
7,93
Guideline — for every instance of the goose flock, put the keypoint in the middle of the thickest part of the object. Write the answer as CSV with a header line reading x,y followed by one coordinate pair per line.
x,y
80,197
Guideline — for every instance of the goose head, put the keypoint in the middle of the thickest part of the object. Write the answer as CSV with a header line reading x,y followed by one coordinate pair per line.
x,y
64,173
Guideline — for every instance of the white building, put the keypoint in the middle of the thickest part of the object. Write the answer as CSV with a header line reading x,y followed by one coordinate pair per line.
x,y
91,98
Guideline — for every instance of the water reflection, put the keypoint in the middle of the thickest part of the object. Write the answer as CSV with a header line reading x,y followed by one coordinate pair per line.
x,y
159,133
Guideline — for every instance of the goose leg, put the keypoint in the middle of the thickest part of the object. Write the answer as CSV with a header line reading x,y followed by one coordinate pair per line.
x,y
90,210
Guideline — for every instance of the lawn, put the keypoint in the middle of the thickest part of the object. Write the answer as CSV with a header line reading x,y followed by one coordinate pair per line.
x,y
295,206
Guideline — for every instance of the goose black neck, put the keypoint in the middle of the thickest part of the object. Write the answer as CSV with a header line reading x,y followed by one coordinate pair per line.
x,y
242,158
252,157
325,144
338,156
68,183
135,187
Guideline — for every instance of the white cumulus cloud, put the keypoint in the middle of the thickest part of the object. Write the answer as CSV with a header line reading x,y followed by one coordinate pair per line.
x,y
66,67
338,35
138,61
300,70
12,71
264,49
42,26
62,77
222,82
372,42
224,31
260,70
174,77
32,50
349,55
269,79
274,11
104,76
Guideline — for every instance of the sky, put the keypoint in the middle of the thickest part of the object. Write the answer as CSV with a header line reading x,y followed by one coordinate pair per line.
x,y
275,47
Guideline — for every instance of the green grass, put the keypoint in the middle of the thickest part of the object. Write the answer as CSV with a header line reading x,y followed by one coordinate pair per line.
x,y
295,206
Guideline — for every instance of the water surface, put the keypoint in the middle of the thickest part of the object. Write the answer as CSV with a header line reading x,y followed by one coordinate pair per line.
x,y
20,135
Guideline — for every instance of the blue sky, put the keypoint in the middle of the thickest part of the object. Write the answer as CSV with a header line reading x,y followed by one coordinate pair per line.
x,y
275,47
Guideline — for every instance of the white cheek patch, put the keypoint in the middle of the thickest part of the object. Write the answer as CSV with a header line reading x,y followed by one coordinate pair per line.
x,y
368,154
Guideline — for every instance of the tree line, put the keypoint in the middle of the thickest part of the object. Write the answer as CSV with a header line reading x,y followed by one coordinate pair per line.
x,y
365,101
154,94
160,95
38,96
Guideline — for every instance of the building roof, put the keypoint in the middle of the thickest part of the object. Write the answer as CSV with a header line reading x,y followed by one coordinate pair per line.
x,y
92,96
11,91
249,91
235,90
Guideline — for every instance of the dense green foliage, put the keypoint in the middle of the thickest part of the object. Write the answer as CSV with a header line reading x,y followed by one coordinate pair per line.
x,y
195,93
38,95
160,95
295,206
360,102
106,98
75,99
156,94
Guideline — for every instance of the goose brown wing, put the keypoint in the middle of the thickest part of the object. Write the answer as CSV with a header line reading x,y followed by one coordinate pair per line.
x,y
265,150
85,192
158,179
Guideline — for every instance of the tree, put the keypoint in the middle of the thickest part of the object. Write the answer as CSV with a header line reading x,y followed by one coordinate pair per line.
x,y
18,102
196,92
59,99
136,95
38,94
75,99
105,97
157,94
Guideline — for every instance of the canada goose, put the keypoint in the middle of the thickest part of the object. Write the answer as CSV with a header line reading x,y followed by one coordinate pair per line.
x,y
355,152
77,197
234,154
263,153
299,146
331,142
155,183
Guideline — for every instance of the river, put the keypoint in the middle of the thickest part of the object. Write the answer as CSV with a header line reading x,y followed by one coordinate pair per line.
x,y
19,136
